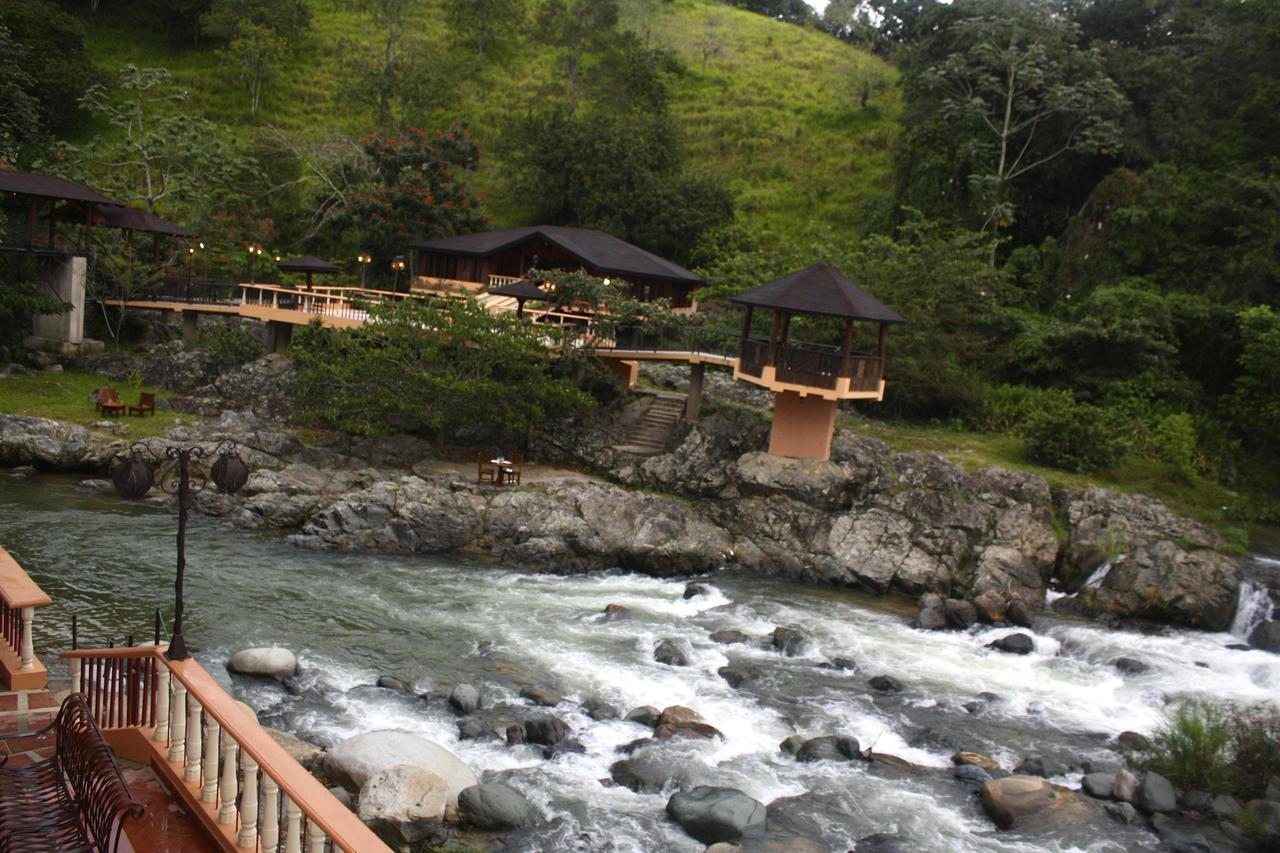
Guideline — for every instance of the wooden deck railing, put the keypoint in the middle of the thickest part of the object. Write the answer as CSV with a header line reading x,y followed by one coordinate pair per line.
x,y
19,598
246,790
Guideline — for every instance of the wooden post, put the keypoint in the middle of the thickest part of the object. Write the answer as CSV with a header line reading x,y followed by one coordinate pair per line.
x,y
775,329
880,350
178,723
27,652
209,793
162,703
270,814
846,364
227,788
248,837
192,771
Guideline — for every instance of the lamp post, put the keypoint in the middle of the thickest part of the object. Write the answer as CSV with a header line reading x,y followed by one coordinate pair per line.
x,y
397,264
191,262
134,478
254,252
364,260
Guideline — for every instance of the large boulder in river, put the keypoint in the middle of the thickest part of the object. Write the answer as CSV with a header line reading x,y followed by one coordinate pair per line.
x,y
354,761
1008,800
495,806
829,748
648,774
48,444
1174,569
712,814
268,662
1266,637
403,804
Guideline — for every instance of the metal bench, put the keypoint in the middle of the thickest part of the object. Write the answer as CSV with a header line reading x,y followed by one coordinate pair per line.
x,y
76,800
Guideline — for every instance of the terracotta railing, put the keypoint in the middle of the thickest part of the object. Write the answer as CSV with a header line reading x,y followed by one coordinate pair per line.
x,y
19,598
244,788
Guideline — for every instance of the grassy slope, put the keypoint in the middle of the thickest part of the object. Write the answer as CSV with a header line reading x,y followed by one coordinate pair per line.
x,y
774,112
65,397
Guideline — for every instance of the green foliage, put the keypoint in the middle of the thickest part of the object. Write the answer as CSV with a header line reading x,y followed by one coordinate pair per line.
x,y
432,367
228,20
19,106
20,301
1173,443
1255,399
230,344
485,23
1217,748
1074,436
54,58
1005,408
66,397
257,53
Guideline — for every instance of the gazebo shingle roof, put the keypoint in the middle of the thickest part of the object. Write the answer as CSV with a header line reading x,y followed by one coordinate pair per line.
x,y
520,289
597,248
309,264
47,186
819,289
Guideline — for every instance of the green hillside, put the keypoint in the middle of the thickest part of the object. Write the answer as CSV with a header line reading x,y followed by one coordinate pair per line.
x,y
771,108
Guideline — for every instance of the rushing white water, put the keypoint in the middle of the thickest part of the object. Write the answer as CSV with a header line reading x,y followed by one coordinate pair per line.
x,y
1100,574
1253,608
441,621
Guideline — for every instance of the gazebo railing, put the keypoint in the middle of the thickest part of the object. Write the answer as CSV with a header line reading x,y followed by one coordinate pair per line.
x,y
813,365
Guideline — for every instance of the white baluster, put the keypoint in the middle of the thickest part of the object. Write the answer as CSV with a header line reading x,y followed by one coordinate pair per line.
x,y
248,804
27,652
270,815
209,793
293,826
75,664
315,837
162,702
192,771
178,722
227,790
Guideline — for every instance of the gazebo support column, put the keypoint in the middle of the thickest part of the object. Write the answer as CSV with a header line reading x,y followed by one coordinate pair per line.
x,y
693,405
802,426
66,279
190,327
279,335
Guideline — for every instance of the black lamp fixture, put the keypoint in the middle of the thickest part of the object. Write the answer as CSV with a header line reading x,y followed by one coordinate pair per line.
x,y
134,478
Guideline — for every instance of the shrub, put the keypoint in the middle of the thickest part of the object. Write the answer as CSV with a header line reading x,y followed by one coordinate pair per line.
x,y
1173,442
1192,750
230,344
1255,740
1074,436
1005,408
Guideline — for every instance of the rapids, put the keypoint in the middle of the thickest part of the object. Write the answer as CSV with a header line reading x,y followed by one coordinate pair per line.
x,y
442,620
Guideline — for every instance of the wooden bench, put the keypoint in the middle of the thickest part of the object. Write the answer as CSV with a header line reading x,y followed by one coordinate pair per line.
x,y
74,801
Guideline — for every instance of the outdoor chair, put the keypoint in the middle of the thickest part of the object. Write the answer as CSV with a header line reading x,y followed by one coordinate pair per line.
x,y
514,470
488,471
146,403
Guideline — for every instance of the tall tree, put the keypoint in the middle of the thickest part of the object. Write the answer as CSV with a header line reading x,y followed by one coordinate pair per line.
x,y
576,27
484,22
19,107
225,19
55,58
258,56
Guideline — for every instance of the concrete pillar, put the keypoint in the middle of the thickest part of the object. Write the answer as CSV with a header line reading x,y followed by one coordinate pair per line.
x,y
66,281
693,405
190,327
802,426
279,335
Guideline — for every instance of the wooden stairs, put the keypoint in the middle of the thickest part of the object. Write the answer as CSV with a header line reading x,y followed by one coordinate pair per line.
x,y
648,435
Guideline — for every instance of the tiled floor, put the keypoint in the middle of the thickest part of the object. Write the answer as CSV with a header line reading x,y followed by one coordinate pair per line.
x,y
166,827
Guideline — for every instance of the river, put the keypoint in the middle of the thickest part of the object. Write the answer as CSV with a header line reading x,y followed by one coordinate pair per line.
x,y
439,621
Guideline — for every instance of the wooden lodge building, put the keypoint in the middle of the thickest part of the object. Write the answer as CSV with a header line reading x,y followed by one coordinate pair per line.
x,y
477,261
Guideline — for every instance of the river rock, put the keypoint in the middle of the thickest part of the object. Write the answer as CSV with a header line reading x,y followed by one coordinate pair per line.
x,y
1019,613
960,614
1125,788
670,653
679,721
791,744
1038,765
49,445
971,776
736,676
694,589
829,748
729,637
1133,742
1130,666
713,814
306,754
885,684
496,806
1155,794
1018,644
272,662
1008,800
976,759
1224,807
546,730
403,804
881,842
991,607
648,774
932,618
616,613
542,696
464,699
1266,637
645,715
1101,786
1123,813
789,641
354,761
600,710
390,682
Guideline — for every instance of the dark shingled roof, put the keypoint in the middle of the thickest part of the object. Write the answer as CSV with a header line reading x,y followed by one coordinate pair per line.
x,y
308,263
136,219
521,289
819,289
47,186
603,251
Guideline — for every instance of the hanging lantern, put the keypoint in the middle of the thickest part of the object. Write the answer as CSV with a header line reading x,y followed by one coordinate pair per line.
x,y
229,473
133,479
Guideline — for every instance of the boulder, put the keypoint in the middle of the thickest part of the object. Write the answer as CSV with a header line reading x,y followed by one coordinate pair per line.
x,y
1133,742
354,761
1123,813
791,744
1266,637
789,641
960,614
542,696
616,613
1019,613
670,653
729,637
693,589
403,804
1099,785
971,776
736,676
991,607
1224,807
840,663
546,730
1155,794
1008,800
496,806
648,774
270,662
679,721
599,710
713,815
1125,788
390,682
885,684
1130,666
645,715
306,754
1018,644
829,748
931,619
1038,765
465,699
881,842
976,759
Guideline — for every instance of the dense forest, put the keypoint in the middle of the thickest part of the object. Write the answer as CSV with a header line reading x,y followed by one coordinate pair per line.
x,y
1075,203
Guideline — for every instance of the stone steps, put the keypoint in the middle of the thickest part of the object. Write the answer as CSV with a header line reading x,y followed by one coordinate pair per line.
x,y
648,435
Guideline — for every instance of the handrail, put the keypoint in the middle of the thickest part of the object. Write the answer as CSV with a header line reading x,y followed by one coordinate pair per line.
x,y
19,598
17,589
217,748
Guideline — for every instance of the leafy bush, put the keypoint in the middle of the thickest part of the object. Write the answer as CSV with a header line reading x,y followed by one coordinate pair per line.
x,y
230,344
1006,408
1074,436
1173,442
1255,741
1192,751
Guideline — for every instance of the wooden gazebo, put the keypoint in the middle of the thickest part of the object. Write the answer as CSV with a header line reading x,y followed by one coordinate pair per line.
x,y
809,379
522,290
308,264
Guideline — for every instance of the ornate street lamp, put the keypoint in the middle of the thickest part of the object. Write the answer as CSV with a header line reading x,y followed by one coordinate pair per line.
x,y
134,478
364,261
397,264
